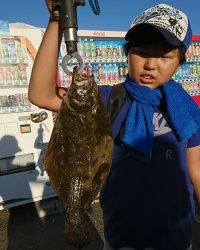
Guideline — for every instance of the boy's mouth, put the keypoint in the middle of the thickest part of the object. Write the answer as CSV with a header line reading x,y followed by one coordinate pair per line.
x,y
146,79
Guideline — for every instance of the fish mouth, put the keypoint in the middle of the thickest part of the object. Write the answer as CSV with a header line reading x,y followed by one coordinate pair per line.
x,y
82,83
82,92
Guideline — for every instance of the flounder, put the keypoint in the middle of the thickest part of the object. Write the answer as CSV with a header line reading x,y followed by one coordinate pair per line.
x,y
79,154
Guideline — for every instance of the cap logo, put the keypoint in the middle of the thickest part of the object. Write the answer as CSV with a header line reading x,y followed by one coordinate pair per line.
x,y
171,19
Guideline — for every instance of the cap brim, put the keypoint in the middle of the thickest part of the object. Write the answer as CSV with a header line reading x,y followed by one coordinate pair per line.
x,y
169,37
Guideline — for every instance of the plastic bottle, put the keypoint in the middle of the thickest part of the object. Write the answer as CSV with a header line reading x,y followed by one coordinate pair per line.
x,y
198,69
109,49
103,46
97,49
95,72
110,73
4,104
92,48
86,48
1,76
5,52
114,74
114,55
193,49
80,48
197,49
22,74
19,51
194,69
125,70
7,76
12,50
100,73
89,69
121,72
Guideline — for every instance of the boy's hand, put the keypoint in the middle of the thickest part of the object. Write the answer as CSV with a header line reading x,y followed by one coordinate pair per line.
x,y
52,6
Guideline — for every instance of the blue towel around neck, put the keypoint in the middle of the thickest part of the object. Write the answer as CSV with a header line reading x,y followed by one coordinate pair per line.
x,y
184,114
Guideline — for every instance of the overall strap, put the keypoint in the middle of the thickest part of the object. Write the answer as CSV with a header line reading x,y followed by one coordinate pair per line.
x,y
116,100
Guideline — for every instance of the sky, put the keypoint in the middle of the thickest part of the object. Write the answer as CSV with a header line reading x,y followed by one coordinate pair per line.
x,y
115,15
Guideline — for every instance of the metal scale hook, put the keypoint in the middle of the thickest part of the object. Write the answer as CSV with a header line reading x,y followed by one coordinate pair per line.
x,y
69,26
67,58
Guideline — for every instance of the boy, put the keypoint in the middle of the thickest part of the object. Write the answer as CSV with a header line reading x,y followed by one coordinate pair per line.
x,y
147,200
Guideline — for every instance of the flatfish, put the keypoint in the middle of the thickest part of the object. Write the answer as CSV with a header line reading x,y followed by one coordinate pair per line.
x,y
79,154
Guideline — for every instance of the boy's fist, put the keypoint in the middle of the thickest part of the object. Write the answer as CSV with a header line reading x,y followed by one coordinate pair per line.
x,y
53,7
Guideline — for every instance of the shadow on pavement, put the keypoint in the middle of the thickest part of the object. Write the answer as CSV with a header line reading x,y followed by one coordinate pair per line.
x,y
22,229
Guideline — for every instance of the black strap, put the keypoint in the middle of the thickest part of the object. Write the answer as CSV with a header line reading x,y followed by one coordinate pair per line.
x,y
116,100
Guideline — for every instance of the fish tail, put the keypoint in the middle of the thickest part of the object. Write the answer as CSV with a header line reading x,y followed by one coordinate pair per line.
x,y
77,233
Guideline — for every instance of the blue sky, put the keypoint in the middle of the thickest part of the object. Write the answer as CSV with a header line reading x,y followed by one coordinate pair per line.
x,y
115,14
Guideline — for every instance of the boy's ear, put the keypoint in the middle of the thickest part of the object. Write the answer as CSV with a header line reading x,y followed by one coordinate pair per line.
x,y
178,68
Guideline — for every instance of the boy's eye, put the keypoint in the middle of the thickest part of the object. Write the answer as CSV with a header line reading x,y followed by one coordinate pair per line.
x,y
165,57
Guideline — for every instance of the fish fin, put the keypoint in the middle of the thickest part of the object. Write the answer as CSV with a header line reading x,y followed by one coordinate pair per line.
x,y
97,183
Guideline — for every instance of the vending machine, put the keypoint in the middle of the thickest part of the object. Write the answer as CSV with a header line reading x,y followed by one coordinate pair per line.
x,y
102,53
189,73
103,56
25,129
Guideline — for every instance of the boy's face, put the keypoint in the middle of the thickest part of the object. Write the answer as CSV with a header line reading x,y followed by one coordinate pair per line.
x,y
152,64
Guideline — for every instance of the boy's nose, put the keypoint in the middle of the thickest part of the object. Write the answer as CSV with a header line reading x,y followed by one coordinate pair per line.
x,y
150,63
